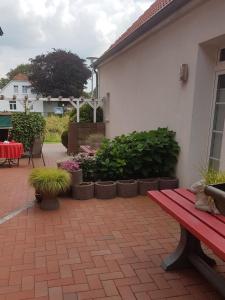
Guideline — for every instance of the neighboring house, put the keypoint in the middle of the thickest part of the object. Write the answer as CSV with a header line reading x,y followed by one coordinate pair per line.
x,y
144,75
13,94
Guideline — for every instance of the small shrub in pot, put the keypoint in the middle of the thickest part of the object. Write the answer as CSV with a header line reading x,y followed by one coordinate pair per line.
x,y
147,184
74,169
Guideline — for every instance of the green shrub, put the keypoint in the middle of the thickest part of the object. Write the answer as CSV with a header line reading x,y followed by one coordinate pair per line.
x,y
26,127
86,114
50,180
138,155
64,139
55,126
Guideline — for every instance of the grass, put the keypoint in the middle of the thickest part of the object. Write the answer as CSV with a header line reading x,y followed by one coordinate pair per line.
x,y
55,125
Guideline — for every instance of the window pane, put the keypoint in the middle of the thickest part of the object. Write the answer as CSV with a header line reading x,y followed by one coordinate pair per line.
x,y
220,97
15,88
222,54
219,117
216,145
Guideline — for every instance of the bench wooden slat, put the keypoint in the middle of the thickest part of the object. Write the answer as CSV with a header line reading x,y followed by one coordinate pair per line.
x,y
191,197
208,219
193,224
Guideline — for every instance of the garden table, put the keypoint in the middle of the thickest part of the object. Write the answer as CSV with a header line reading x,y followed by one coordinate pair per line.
x,y
11,151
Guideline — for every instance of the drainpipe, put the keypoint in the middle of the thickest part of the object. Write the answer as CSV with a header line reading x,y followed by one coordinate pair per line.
x,y
96,85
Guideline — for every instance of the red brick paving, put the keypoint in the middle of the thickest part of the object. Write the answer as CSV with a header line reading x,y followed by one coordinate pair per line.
x,y
92,249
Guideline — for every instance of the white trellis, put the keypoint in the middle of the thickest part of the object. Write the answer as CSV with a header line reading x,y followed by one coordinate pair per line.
x,y
75,102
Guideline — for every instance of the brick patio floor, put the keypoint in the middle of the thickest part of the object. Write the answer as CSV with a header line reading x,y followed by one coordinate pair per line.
x,y
92,249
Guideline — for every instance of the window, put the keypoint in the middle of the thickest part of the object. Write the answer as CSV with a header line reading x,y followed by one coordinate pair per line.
x,y
218,124
222,55
12,105
24,89
16,89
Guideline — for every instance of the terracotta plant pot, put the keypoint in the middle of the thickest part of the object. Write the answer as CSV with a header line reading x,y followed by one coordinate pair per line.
x,y
167,183
127,188
105,189
83,191
49,202
76,177
147,184
217,192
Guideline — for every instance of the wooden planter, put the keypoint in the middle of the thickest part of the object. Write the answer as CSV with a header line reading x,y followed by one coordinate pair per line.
x,y
147,184
217,192
83,191
105,189
49,202
127,188
166,183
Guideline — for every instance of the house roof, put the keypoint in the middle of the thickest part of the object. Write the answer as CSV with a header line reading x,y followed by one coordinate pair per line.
x,y
21,77
157,12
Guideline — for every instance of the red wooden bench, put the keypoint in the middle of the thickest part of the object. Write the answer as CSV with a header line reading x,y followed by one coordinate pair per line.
x,y
196,226
88,150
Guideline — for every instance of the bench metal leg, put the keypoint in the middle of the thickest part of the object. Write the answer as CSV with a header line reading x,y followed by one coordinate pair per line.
x,y
187,246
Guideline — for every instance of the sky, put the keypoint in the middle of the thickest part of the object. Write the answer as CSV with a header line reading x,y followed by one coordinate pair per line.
x,y
85,27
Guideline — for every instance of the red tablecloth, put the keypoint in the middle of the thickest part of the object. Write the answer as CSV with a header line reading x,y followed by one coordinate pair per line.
x,y
11,150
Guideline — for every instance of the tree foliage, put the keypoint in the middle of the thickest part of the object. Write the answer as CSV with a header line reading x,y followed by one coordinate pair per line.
x,y
58,73
22,68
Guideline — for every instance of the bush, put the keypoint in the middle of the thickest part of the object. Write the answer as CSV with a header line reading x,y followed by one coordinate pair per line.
x,y
138,155
26,127
55,126
64,139
88,166
86,114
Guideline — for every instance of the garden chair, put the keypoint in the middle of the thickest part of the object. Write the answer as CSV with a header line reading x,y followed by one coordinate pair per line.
x,y
36,150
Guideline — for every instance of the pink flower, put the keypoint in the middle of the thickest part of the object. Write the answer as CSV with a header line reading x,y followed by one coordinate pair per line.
x,y
70,165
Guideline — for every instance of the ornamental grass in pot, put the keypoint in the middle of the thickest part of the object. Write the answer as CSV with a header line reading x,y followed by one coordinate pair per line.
x,y
127,188
49,182
215,187
105,189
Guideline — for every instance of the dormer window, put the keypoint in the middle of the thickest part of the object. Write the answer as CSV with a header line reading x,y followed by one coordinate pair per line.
x,y
24,89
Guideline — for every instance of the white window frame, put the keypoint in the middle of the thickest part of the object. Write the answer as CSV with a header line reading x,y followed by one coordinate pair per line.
x,y
12,105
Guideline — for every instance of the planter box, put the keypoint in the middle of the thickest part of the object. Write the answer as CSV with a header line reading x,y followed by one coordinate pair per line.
x,y
127,188
83,191
49,202
147,184
217,192
167,183
105,189
76,177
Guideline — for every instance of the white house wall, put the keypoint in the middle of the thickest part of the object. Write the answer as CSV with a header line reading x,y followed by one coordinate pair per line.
x,y
145,90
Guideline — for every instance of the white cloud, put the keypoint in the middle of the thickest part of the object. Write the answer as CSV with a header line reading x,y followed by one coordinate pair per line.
x,y
32,27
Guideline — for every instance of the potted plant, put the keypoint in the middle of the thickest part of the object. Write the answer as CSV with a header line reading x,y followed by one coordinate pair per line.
x,y
215,187
127,188
147,184
105,189
74,169
49,182
83,191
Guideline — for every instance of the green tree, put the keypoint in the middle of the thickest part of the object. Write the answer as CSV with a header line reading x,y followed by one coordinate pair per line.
x,y
59,73
22,68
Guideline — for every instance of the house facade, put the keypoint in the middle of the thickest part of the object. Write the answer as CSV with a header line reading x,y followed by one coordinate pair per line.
x,y
14,93
168,70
